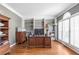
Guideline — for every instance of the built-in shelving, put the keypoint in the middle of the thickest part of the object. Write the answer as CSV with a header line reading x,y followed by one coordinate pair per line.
x,y
29,25
4,34
3,28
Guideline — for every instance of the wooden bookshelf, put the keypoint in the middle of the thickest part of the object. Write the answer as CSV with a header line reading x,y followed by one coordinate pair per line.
x,y
4,47
4,28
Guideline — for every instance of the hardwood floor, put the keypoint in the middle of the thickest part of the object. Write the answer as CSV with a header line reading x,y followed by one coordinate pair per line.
x,y
56,49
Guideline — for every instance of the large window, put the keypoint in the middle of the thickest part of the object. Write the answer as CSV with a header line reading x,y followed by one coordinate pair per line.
x,y
66,15
63,28
66,30
60,30
75,31
72,31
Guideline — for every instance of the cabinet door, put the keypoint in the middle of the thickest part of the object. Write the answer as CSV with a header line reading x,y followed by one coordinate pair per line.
x,y
32,41
47,42
20,37
39,41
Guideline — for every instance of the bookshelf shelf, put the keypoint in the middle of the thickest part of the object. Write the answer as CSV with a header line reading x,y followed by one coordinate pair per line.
x,y
4,34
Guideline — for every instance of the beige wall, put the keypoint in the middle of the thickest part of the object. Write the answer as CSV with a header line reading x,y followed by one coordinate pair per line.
x,y
15,21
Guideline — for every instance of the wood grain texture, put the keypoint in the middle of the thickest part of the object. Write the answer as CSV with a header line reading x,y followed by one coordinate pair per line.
x,y
20,37
4,48
39,41
56,49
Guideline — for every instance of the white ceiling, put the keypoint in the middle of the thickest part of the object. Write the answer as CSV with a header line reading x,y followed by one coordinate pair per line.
x,y
39,10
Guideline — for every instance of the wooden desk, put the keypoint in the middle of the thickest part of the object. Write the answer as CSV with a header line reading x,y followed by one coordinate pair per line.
x,y
39,41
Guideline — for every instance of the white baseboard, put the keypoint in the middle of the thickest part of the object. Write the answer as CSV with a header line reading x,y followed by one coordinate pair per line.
x,y
12,45
69,46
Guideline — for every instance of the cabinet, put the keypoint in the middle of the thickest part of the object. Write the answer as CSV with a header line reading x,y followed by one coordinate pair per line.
x,y
36,42
39,41
4,34
20,37
31,42
47,42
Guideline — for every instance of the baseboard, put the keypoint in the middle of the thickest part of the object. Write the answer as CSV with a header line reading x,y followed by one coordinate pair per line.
x,y
12,45
69,46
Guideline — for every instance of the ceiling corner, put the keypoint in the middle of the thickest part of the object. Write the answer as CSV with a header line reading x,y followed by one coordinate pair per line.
x,y
11,9
66,10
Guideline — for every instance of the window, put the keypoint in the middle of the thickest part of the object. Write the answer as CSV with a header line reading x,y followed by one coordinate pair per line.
x,y
75,31
66,30
66,27
60,30
72,31
63,28
66,15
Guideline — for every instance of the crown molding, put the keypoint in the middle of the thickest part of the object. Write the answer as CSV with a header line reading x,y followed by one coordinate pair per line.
x,y
66,10
11,9
18,14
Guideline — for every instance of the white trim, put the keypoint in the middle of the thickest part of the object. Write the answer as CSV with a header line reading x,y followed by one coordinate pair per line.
x,y
70,16
11,9
12,45
75,14
66,10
